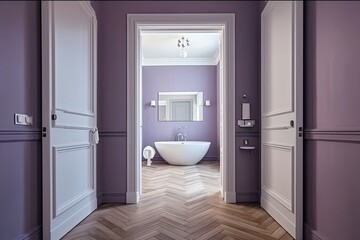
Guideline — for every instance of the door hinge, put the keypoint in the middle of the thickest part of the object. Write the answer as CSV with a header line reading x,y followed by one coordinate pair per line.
x,y
44,131
300,131
53,116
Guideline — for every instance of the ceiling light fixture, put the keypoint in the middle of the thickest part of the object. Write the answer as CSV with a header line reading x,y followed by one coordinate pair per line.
x,y
182,43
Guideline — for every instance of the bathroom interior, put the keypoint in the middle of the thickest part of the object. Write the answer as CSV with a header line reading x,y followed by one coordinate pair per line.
x,y
181,79
178,83
180,99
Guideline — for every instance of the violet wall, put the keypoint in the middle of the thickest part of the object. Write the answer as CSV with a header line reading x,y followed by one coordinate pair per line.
x,y
20,146
332,120
112,64
180,79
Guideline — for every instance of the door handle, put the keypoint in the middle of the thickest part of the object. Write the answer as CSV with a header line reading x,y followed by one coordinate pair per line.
x,y
277,128
94,136
292,123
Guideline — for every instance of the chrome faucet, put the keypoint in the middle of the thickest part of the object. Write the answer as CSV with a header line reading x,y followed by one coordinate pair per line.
x,y
181,135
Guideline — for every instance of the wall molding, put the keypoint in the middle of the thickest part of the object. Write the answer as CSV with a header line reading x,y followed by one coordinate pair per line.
x,y
111,197
179,61
332,135
20,136
211,158
112,133
311,234
33,235
247,197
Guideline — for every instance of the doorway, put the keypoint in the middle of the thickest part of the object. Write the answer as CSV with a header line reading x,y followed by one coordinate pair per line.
x,y
224,23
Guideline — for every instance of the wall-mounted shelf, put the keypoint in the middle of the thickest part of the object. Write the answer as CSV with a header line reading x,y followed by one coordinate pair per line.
x,y
246,123
247,147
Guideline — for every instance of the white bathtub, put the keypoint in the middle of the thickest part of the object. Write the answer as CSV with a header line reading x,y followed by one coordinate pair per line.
x,y
182,153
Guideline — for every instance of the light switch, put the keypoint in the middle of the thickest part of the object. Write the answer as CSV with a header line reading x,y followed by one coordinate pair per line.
x,y
29,120
20,119
23,119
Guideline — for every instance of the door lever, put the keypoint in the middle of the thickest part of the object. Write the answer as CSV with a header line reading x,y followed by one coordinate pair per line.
x,y
94,136
292,123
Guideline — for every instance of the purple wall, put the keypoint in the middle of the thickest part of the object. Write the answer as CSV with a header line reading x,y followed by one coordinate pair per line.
x,y
20,146
180,79
332,120
112,84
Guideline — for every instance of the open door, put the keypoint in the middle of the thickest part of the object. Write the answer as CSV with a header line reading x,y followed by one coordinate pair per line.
x,y
282,113
69,115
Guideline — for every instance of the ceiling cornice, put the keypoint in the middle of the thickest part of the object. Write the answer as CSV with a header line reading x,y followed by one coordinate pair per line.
x,y
179,61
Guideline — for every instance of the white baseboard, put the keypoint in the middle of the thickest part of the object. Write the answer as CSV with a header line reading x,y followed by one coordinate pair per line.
x,y
230,197
132,197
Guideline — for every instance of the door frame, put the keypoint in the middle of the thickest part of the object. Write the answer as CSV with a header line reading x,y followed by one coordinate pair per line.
x,y
137,22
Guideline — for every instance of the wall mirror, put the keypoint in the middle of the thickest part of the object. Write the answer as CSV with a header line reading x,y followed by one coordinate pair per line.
x,y
180,106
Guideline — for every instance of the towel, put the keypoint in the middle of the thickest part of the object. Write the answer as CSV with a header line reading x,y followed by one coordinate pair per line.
x,y
148,153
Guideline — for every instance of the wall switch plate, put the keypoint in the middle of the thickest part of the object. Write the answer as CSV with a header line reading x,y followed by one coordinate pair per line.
x,y
23,119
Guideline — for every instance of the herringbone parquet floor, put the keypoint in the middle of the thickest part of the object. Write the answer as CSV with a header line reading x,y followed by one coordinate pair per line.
x,y
180,202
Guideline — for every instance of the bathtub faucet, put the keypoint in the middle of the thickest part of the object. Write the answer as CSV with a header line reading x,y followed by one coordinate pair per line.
x,y
181,135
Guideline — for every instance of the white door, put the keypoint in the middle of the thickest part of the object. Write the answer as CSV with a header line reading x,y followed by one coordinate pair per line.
x,y
69,115
281,113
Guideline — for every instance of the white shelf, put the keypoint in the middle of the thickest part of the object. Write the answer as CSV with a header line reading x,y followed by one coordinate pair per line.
x,y
247,147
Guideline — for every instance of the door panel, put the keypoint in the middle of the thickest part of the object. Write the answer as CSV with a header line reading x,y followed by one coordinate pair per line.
x,y
73,88
73,175
69,115
282,113
278,56
278,179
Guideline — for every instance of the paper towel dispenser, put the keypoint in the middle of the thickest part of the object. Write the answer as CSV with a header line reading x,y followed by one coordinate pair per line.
x,y
245,115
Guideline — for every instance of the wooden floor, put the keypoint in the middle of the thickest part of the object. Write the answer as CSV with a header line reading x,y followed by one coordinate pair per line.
x,y
179,202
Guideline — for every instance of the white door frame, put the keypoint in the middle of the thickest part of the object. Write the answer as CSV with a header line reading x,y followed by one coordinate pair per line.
x,y
137,22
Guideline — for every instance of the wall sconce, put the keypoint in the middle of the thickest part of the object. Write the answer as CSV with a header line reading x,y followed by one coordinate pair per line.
x,y
153,103
207,103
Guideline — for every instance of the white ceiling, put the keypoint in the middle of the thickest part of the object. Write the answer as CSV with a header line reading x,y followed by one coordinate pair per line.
x,y
161,48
